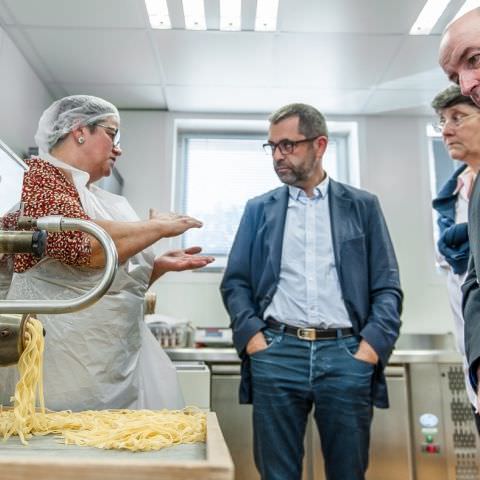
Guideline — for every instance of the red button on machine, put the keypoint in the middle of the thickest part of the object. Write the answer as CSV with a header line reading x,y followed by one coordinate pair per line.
x,y
431,448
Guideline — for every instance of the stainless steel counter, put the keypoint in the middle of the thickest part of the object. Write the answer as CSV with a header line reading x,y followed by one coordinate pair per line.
x,y
410,348
229,355
210,355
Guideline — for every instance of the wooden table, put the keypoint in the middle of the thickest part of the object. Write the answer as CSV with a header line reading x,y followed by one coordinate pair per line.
x,y
46,459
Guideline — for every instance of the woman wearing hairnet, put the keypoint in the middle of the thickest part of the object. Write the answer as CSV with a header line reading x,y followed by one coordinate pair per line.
x,y
104,356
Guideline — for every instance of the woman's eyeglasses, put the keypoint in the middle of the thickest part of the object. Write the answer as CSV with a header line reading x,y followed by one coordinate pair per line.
x,y
456,119
113,132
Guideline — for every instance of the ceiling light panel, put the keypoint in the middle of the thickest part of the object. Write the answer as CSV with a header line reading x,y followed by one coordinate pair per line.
x,y
428,17
158,14
194,12
466,7
230,15
266,18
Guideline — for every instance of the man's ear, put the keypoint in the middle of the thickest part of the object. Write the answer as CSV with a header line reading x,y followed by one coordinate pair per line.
x,y
321,143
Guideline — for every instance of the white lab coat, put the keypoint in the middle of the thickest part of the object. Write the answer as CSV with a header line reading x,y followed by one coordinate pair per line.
x,y
104,356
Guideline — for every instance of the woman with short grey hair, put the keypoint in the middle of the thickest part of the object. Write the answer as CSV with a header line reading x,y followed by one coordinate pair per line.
x,y
459,124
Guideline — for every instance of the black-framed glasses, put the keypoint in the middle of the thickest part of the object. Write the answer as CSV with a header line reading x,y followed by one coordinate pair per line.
x,y
457,119
285,146
113,132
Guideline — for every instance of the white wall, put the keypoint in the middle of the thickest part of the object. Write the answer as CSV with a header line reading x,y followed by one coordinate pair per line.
x,y
394,165
23,97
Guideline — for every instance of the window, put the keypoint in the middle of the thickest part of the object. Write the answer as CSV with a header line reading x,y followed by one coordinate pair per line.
x,y
221,174
220,171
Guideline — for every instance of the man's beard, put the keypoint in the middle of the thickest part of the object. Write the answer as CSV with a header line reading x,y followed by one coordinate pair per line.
x,y
295,173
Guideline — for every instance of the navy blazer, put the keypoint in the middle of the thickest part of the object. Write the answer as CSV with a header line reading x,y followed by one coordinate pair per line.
x,y
365,261
453,241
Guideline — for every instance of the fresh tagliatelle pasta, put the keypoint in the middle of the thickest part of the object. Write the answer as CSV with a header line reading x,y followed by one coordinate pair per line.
x,y
30,367
134,430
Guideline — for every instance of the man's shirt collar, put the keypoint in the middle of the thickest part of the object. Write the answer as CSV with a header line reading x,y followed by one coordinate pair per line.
x,y
320,191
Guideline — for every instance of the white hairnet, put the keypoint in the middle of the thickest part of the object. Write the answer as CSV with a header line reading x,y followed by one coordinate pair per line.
x,y
66,114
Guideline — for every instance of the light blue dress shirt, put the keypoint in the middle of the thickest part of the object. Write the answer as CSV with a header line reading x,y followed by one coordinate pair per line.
x,y
308,292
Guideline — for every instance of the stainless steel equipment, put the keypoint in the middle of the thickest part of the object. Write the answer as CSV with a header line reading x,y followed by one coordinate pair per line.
x,y
56,223
425,382
445,441
179,335
23,242
12,338
391,441
235,420
217,337
390,445
194,379
12,327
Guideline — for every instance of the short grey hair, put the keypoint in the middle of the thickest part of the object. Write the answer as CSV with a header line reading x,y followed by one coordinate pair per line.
x,y
311,123
450,97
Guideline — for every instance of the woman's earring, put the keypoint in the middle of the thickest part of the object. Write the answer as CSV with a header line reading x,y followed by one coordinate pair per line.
x,y
81,140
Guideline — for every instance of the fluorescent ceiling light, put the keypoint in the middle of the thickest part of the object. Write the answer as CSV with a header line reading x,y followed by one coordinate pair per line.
x,y
230,14
158,13
194,12
466,7
266,18
428,17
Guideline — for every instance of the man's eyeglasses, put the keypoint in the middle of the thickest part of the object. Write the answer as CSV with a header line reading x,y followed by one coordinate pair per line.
x,y
113,132
457,119
285,146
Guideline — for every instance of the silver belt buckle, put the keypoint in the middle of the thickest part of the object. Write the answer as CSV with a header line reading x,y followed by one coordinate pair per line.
x,y
306,333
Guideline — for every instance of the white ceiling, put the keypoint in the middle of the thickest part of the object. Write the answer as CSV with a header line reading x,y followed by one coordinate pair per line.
x,y
344,56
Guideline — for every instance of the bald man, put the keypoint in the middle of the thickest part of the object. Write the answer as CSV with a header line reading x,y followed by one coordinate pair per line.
x,y
460,53
460,59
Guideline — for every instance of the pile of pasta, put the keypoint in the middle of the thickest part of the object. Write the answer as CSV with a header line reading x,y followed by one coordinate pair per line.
x,y
134,430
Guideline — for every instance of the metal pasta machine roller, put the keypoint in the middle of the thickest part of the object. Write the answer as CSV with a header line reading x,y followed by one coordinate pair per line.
x,y
20,234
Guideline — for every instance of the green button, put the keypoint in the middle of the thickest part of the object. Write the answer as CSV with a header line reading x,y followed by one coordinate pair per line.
x,y
429,439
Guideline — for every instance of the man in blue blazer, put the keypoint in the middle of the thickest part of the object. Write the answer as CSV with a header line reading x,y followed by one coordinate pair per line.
x,y
312,289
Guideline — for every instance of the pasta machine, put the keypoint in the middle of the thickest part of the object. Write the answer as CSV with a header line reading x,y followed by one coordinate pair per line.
x,y
12,322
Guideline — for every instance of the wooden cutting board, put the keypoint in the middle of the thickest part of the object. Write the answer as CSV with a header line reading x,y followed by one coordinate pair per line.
x,y
45,458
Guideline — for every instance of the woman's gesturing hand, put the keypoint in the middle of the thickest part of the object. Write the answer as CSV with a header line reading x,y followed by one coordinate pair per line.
x,y
178,261
173,224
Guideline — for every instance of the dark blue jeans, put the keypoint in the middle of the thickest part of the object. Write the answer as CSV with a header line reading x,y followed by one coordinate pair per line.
x,y
290,377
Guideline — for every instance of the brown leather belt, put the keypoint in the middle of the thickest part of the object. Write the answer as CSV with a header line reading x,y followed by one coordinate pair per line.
x,y
309,333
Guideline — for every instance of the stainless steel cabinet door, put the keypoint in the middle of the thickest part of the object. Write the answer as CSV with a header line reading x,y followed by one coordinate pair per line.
x,y
390,445
235,421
